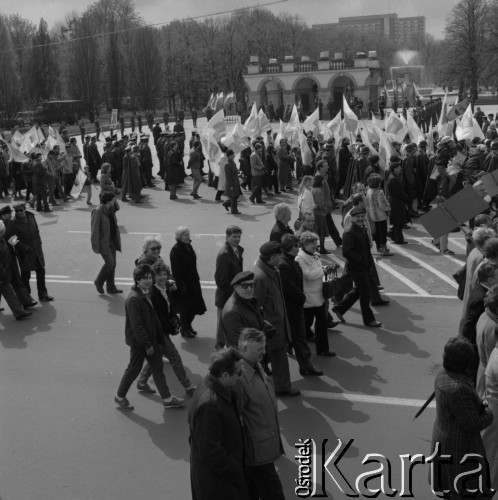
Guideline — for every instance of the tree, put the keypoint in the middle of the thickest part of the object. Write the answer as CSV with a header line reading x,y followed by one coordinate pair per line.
x,y
10,97
42,65
467,43
146,70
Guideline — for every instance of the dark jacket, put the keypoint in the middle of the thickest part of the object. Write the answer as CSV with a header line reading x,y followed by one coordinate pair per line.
x,y
175,167
142,326
188,298
227,266
165,312
471,314
216,444
397,199
29,248
232,185
102,220
238,314
356,249
459,422
278,230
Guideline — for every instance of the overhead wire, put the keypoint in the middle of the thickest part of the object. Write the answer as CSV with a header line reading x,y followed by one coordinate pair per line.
x,y
96,35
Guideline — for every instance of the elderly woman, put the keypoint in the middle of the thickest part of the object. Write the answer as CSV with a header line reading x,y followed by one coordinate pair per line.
x,y
151,250
282,213
460,417
189,300
315,308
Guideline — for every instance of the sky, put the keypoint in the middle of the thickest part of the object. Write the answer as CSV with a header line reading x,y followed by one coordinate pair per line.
x,y
313,11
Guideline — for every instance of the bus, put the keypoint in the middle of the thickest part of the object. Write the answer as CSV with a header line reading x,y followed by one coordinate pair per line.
x,y
69,111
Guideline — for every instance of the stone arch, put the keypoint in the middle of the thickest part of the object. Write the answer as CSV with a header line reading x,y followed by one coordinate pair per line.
x,y
339,85
271,91
305,89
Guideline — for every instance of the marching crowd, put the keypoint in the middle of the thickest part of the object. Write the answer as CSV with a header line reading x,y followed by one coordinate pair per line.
x,y
280,306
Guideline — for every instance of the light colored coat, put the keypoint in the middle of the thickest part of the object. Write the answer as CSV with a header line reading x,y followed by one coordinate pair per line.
x,y
311,266
377,205
305,202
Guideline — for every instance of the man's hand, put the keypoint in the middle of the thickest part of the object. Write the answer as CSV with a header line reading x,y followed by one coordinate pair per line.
x,y
13,240
149,351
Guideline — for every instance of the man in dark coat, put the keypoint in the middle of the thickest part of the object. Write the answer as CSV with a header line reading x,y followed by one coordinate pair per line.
x,y
356,251
194,117
282,213
268,291
29,249
189,301
344,159
216,433
232,185
174,169
94,159
146,160
8,268
229,262
241,310
156,132
398,199
126,173
106,241
292,285
143,333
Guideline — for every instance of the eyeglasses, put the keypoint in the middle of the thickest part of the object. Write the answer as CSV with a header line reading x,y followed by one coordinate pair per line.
x,y
238,373
18,210
246,286
155,249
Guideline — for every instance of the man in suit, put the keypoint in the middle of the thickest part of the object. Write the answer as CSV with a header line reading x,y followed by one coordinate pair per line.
x,y
356,250
292,285
229,262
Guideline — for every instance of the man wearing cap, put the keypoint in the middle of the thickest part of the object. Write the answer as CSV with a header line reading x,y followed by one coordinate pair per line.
x,y
40,183
229,263
408,176
28,249
135,175
257,174
146,159
232,184
175,169
268,291
241,310
126,173
398,199
356,251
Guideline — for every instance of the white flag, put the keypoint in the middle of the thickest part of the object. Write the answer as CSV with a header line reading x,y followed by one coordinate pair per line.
x,y
395,128
311,123
236,140
263,122
217,125
306,155
350,119
465,128
416,135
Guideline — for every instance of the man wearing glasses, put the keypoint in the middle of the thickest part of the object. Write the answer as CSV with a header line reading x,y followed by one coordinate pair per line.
x,y
216,434
241,309
106,241
28,249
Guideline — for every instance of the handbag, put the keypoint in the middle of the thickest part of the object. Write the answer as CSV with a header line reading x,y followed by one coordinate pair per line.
x,y
461,277
330,284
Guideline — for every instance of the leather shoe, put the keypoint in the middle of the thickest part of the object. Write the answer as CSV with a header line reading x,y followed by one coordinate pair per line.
x,y
400,242
46,298
24,314
332,324
290,392
31,304
340,317
325,252
99,288
329,354
114,290
381,303
186,334
311,371
374,324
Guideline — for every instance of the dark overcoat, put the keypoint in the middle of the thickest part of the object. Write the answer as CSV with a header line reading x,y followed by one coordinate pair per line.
x,y
278,231
397,199
29,248
356,249
175,168
232,186
188,298
216,444
459,422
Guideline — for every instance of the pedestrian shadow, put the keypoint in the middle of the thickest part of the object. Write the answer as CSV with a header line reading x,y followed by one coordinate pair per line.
x,y
52,219
115,304
88,208
184,201
346,348
404,318
170,436
201,347
13,333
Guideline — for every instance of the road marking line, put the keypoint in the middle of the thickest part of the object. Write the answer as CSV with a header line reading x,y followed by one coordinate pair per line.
x,y
209,286
436,251
362,398
402,278
458,244
426,266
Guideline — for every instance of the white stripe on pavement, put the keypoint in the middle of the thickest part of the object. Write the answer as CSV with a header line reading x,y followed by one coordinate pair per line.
x,y
362,398
402,278
458,244
209,285
421,263
436,251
